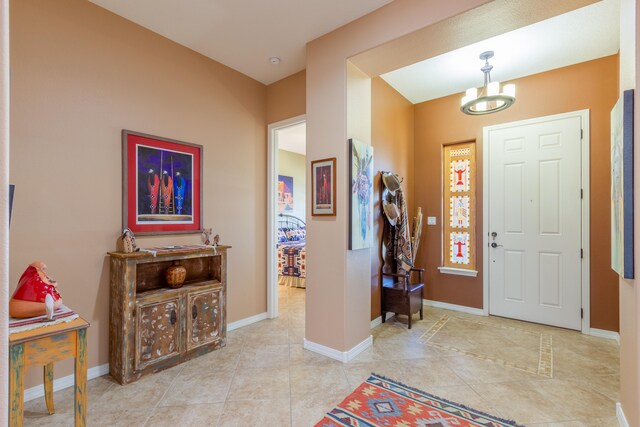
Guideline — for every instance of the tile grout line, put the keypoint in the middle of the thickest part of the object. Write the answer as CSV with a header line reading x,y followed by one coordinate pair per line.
x,y
163,395
233,375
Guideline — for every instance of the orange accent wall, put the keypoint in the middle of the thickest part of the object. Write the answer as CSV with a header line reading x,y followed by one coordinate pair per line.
x,y
392,139
591,85
287,98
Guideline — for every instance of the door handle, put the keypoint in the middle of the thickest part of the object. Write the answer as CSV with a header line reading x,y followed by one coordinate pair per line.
x,y
194,312
494,245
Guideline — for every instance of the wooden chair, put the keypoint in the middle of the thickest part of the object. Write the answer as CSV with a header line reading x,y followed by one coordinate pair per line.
x,y
400,296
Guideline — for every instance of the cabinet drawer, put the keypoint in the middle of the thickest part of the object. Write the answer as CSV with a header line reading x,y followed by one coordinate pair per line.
x,y
158,331
204,317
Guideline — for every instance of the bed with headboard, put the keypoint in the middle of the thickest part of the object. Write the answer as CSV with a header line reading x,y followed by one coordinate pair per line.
x,y
292,254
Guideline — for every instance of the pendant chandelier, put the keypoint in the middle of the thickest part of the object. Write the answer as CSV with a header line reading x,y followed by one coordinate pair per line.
x,y
491,99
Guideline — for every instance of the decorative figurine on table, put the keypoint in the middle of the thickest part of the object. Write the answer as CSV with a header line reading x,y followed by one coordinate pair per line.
x,y
216,240
127,242
206,234
36,294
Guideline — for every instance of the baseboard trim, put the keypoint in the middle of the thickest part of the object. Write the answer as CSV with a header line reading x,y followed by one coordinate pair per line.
x,y
601,333
65,382
622,420
98,371
341,356
355,351
248,321
454,307
378,320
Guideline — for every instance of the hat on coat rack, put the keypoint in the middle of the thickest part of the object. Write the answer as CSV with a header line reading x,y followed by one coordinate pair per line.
x,y
391,181
392,212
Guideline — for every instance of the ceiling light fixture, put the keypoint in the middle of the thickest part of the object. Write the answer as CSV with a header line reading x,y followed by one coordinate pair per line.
x,y
491,99
274,60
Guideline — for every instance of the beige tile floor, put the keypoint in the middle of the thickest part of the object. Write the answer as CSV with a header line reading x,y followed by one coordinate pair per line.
x,y
265,378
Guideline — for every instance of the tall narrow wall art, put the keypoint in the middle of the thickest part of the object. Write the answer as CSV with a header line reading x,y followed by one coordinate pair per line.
x,y
459,198
622,186
361,190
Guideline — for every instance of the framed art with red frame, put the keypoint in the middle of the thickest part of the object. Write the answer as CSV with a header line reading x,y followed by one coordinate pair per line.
x,y
162,185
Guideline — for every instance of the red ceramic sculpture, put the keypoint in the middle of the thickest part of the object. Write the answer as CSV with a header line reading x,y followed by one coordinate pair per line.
x,y
28,300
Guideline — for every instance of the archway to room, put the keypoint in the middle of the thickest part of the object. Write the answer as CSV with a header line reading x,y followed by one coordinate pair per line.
x,y
286,211
435,41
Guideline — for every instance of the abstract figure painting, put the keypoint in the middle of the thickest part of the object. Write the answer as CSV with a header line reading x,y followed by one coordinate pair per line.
x,y
361,200
323,187
162,185
622,186
285,193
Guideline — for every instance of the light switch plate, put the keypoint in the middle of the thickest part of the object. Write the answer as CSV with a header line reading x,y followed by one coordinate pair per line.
x,y
431,220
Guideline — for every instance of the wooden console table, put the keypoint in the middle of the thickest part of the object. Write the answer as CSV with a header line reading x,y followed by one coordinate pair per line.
x,y
153,326
43,347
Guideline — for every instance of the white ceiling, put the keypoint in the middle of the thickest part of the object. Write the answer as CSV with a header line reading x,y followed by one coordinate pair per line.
x,y
293,138
244,34
581,35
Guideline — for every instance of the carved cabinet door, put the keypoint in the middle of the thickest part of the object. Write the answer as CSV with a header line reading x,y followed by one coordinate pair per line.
x,y
158,331
204,317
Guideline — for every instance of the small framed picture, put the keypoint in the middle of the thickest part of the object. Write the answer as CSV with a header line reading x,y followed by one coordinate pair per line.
x,y
323,187
162,185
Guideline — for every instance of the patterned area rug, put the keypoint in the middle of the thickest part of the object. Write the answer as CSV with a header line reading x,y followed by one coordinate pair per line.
x,y
380,402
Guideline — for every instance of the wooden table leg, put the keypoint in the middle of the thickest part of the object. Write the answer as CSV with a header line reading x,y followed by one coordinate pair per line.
x,y
81,378
16,385
48,388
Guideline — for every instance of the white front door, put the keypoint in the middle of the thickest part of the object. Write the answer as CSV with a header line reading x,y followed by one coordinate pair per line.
x,y
535,220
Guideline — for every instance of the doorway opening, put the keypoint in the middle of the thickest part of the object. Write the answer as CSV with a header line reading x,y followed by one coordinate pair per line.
x,y
286,209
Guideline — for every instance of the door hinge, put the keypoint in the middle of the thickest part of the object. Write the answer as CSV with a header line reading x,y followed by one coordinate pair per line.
x,y
582,313
581,253
581,134
582,193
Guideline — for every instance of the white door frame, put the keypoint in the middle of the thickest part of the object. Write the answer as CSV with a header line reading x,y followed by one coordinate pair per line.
x,y
272,206
585,172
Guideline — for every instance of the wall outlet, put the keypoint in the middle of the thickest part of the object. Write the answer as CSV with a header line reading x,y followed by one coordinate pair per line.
x,y
431,220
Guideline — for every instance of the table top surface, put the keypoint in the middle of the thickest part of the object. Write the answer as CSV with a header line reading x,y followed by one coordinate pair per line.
x,y
45,331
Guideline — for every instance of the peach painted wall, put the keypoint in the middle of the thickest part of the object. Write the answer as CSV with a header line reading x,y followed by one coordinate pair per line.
x,y
4,198
329,266
287,98
392,140
391,137
357,278
81,74
591,85
630,289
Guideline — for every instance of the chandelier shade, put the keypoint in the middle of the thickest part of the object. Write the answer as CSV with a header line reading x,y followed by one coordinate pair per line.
x,y
489,99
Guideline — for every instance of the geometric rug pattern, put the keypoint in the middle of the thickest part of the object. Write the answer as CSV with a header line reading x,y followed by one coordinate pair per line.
x,y
381,402
521,349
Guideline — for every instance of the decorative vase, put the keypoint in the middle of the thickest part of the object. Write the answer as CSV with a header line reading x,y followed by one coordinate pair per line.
x,y
175,275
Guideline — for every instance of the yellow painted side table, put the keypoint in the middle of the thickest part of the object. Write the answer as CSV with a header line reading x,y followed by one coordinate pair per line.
x,y
43,347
